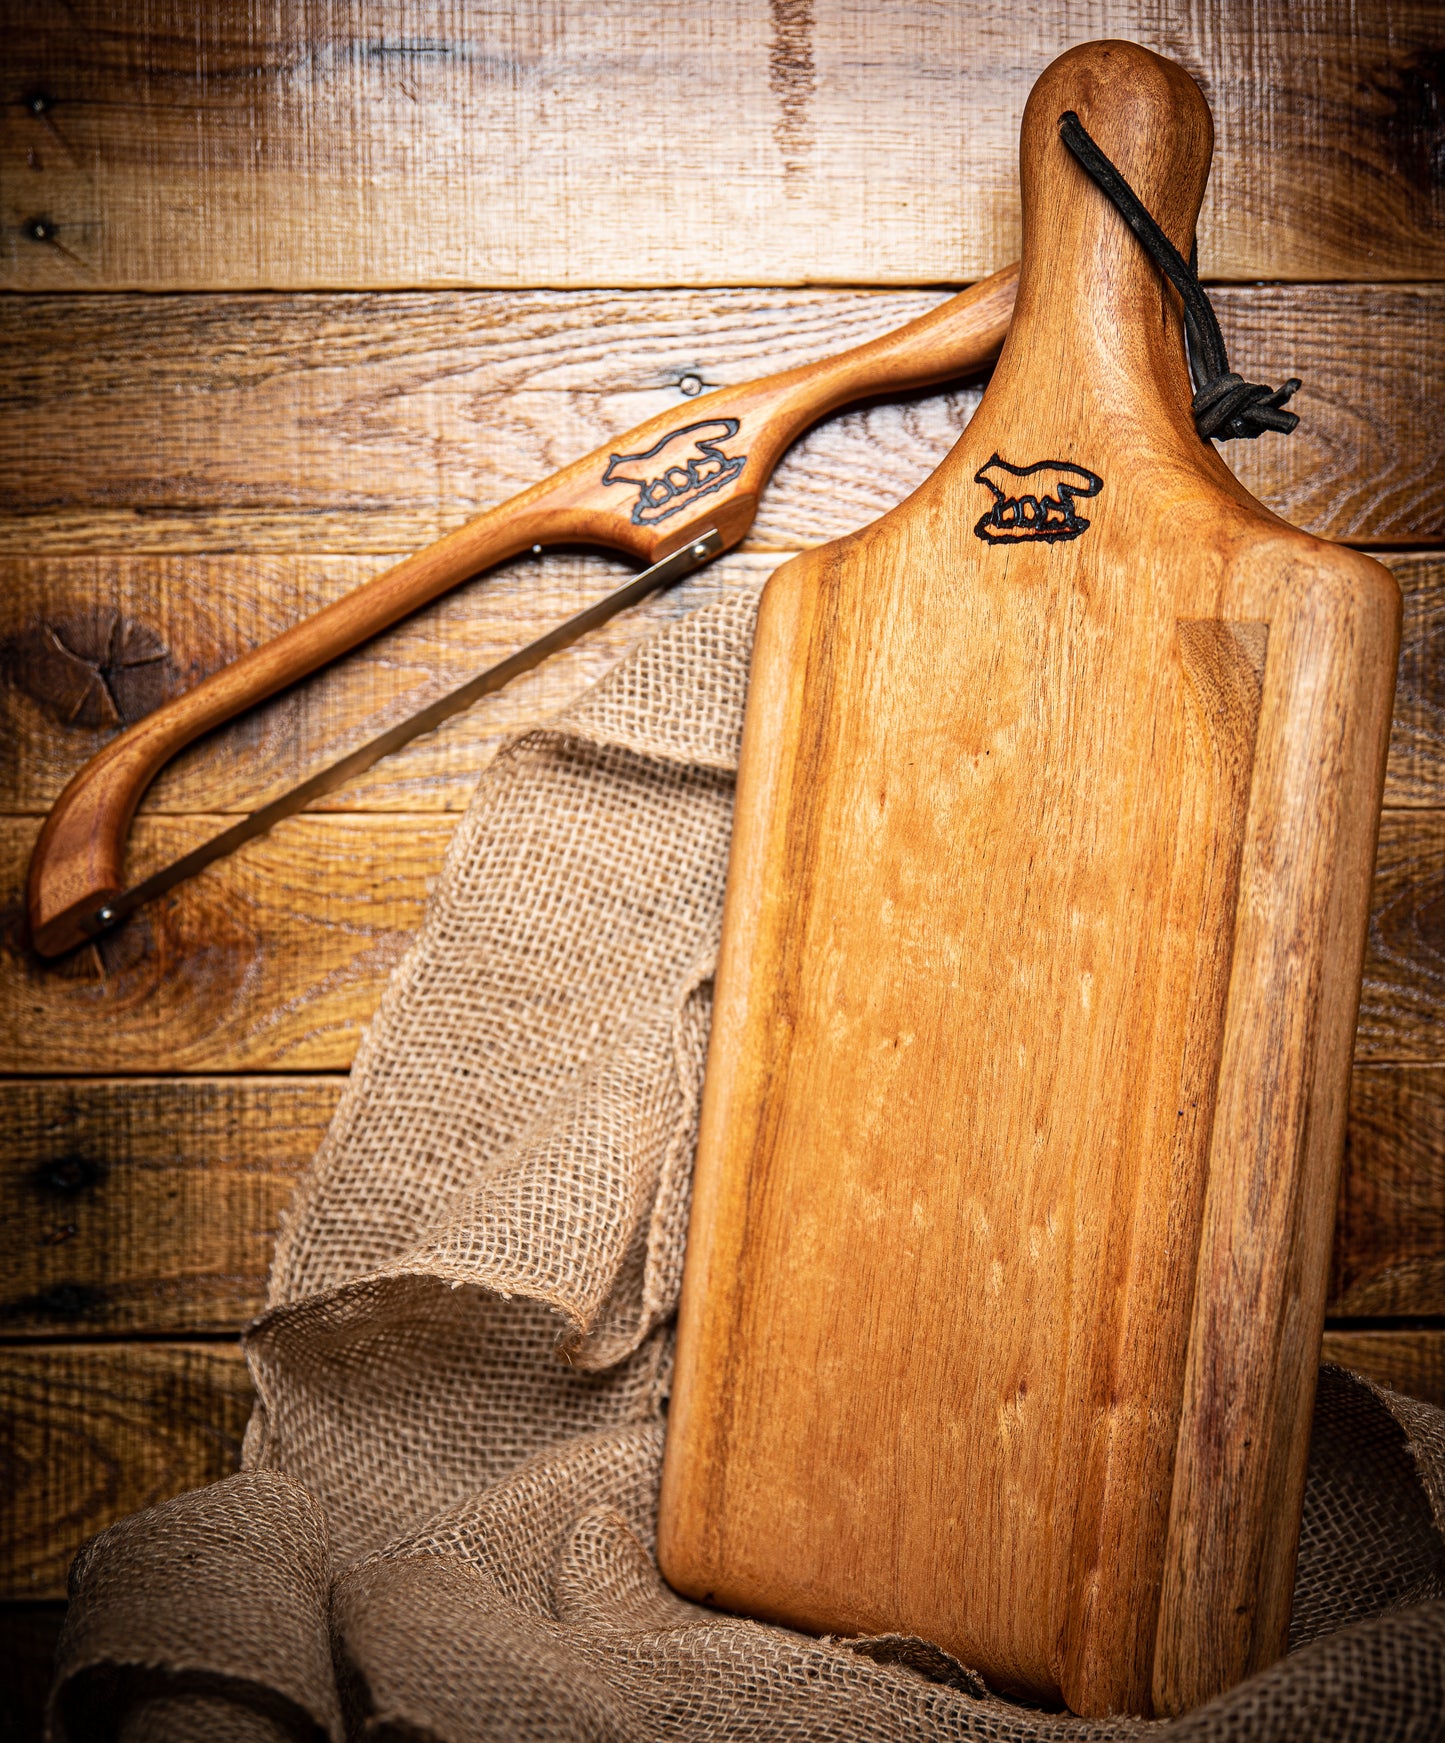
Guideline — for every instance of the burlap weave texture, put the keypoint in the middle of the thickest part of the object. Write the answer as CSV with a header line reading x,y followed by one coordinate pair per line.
x,y
444,1528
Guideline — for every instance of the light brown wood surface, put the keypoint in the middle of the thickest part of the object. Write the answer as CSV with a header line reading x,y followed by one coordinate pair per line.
x,y
414,142
107,1429
149,1205
91,642
114,1427
1028,1076
692,473
95,1433
272,449
378,423
87,643
275,958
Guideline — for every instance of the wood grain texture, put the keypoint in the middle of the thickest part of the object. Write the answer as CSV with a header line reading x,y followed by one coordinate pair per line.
x,y
1417,736
368,422
680,487
277,956
1095,1061
1412,1362
1402,999
378,423
1389,1253
424,142
148,1205
273,959
234,441
87,644
92,1433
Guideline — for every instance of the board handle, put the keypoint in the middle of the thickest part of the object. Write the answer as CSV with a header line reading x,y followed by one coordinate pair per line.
x,y
714,454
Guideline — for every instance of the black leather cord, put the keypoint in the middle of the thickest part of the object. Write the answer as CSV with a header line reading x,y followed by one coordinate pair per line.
x,y
1226,406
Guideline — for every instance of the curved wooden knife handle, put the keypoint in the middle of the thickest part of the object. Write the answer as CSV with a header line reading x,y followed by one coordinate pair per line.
x,y
696,466
76,864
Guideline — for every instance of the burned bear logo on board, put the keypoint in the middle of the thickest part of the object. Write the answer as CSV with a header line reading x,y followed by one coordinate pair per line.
x,y
684,466
1039,515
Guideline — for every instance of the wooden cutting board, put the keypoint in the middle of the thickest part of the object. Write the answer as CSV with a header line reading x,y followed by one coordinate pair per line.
x,y
1025,1103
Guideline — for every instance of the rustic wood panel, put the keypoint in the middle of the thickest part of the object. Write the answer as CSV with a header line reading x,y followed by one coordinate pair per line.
x,y
1412,1362
1417,738
88,644
742,142
1402,1000
274,958
93,1433
375,423
1389,1256
367,423
148,1205
401,145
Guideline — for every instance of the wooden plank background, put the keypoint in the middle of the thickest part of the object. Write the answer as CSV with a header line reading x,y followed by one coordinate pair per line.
x,y
415,256
487,142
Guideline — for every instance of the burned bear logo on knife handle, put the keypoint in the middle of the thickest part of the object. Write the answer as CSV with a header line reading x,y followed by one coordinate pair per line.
x,y
1014,518
677,471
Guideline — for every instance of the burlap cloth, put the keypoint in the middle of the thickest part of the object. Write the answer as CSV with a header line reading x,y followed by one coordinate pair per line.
x,y
444,1524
